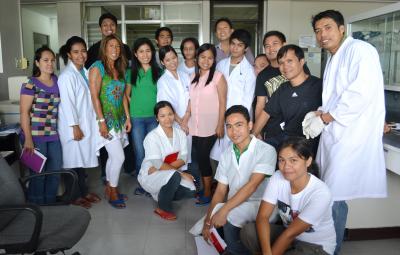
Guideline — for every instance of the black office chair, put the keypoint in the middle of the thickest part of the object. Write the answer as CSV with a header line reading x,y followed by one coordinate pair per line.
x,y
30,228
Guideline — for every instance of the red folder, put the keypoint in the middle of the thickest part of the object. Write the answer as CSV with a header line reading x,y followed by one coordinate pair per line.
x,y
171,158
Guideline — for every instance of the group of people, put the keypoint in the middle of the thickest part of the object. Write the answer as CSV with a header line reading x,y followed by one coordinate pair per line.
x,y
205,107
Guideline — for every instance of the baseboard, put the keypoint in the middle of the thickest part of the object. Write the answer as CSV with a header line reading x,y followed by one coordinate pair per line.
x,y
358,234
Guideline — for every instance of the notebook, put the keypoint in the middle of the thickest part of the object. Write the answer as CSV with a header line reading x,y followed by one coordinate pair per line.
x,y
35,161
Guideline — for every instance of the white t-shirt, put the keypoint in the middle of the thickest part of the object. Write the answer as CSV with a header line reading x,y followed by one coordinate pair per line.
x,y
258,158
183,68
312,205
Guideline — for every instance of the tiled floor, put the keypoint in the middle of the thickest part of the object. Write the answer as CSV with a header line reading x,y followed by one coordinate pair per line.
x,y
137,231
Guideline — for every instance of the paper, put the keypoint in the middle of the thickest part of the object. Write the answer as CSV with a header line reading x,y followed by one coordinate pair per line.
x,y
34,161
203,248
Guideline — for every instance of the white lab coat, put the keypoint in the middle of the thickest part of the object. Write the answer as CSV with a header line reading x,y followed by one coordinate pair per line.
x,y
350,152
157,146
241,85
76,109
177,93
174,91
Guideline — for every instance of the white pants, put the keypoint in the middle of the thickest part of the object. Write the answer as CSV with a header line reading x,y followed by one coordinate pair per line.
x,y
116,158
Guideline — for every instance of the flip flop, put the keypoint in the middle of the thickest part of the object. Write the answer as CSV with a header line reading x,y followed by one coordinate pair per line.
x,y
165,215
92,198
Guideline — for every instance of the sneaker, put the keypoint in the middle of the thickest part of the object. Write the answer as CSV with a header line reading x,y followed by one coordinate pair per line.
x,y
139,191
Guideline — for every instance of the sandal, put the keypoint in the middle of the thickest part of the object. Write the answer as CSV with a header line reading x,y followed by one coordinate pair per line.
x,y
202,200
82,202
92,198
164,214
118,203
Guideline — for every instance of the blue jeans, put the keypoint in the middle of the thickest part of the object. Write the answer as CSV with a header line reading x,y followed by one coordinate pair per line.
x,y
140,128
233,241
339,215
43,189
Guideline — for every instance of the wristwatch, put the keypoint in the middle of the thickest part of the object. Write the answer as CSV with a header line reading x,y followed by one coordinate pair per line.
x,y
323,121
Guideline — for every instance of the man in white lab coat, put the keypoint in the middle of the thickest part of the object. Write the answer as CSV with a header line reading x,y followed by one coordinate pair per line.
x,y
241,80
241,176
351,118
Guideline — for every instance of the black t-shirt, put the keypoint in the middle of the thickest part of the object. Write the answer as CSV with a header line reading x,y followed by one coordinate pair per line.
x,y
268,80
291,104
93,54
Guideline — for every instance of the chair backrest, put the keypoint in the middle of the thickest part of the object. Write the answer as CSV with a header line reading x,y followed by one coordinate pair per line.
x,y
11,192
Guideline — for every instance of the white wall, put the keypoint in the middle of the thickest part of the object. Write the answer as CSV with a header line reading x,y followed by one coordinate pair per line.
x,y
33,22
293,18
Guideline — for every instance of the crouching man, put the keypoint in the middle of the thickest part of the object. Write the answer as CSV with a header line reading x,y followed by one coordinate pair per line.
x,y
241,174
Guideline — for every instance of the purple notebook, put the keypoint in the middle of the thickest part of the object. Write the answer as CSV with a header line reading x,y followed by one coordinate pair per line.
x,y
35,161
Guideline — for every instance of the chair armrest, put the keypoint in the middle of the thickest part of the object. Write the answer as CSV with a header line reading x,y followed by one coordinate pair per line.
x,y
67,198
32,244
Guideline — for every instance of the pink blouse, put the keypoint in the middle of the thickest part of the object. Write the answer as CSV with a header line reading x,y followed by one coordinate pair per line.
x,y
204,106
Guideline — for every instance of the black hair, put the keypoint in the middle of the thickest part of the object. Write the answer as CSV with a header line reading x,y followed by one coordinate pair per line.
x,y
284,50
155,69
223,19
205,47
331,14
238,109
66,48
160,29
162,104
37,57
260,55
107,15
276,33
164,50
189,39
303,149
242,36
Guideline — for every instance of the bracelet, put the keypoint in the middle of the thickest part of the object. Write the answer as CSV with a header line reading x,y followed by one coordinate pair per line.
x,y
323,121
207,223
101,120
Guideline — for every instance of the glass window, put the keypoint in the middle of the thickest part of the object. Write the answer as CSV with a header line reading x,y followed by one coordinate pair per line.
x,y
93,13
182,11
181,31
236,11
134,31
145,12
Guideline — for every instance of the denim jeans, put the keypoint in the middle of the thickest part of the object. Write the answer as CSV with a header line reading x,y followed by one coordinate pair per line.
x,y
43,189
339,214
233,241
140,128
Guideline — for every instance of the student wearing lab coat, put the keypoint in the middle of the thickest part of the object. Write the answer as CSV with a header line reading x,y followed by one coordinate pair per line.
x,y
241,176
161,175
241,80
351,118
173,85
188,48
77,125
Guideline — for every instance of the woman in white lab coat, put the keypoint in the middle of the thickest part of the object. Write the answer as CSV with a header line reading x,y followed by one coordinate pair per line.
x,y
76,120
165,153
173,85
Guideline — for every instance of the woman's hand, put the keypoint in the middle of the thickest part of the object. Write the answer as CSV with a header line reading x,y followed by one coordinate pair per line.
x,y
28,145
151,170
206,231
187,176
219,131
103,129
128,125
78,134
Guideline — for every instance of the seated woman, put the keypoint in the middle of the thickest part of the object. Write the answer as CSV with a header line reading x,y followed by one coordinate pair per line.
x,y
304,204
165,153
